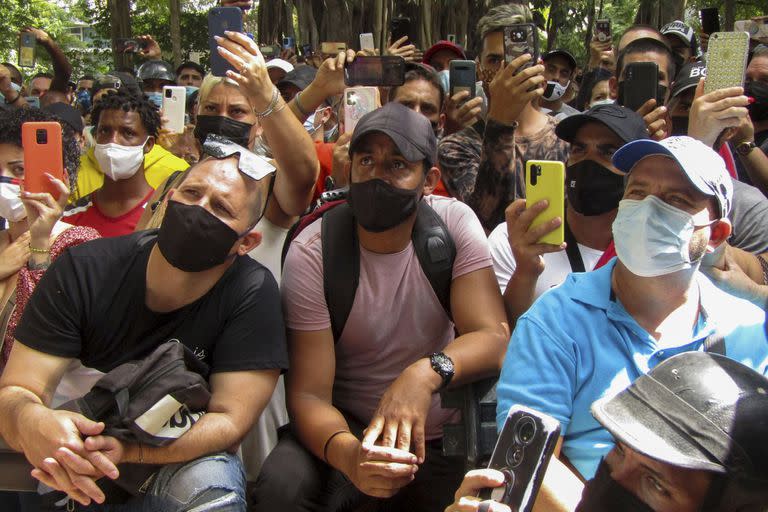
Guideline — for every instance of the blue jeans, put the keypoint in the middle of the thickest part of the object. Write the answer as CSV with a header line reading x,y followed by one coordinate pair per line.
x,y
211,483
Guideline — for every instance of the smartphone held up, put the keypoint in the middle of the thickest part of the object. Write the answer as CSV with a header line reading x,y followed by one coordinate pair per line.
x,y
42,144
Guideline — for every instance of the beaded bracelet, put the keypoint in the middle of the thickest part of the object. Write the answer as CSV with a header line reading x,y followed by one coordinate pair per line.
x,y
39,251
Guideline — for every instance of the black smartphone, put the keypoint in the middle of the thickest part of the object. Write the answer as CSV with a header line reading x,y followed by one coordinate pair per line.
x,y
522,454
220,20
306,50
462,77
710,20
520,39
603,30
384,71
640,84
400,27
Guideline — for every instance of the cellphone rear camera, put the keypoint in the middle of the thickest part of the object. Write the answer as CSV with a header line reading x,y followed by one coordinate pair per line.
x,y
515,455
525,430
535,173
168,93
41,136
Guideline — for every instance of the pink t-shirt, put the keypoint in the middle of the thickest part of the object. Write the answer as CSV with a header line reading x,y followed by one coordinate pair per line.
x,y
396,317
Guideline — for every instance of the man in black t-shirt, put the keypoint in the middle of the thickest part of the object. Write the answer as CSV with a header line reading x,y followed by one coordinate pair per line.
x,y
116,300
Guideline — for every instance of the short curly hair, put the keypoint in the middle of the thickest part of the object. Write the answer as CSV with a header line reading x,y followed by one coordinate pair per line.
x,y
123,100
10,133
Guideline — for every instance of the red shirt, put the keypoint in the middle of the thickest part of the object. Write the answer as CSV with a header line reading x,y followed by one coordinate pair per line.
x,y
325,155
86,212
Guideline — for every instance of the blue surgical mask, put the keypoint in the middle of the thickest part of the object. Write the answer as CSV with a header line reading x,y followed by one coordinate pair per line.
x,y
309,124
155,98
191,89
445,80
653,238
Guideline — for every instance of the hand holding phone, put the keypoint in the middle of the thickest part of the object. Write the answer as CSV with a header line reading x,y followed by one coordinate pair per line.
x,y
27,44
42,144
726,60
522,454
603,30
639,84
400,27
462,75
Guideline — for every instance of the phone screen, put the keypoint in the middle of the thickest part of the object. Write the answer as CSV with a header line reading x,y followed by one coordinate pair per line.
x,y
386,71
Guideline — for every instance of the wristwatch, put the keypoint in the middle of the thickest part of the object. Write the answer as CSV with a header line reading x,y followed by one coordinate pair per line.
x,y
745,148
443,366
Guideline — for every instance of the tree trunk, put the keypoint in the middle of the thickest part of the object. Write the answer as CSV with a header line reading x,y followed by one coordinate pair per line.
x,y
590,22
175,7
730,15
120,27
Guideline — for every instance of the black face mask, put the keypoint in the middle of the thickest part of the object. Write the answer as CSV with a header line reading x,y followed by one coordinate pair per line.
x,y
192,239
679,125
592,189
378,206
236,131
758,110
604,494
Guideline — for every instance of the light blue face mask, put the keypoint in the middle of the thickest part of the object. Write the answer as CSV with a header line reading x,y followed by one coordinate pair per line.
x,y
155,98
309,124
607,101
445,80
191,89
15,87
653,238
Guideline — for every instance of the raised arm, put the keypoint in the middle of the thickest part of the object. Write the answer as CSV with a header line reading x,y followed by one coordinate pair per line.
x,y
62,69
292,146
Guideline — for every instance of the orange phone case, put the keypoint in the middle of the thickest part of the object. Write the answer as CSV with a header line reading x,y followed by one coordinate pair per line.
x,y
42,154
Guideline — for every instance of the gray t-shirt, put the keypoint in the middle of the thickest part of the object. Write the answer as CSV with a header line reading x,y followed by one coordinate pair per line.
x,y
748,216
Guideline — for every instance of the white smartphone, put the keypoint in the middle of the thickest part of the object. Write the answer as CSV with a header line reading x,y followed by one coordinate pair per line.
x,y
358,101
174,103
366,41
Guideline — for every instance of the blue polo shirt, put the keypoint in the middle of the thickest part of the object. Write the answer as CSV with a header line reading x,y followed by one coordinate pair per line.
x,y
576,344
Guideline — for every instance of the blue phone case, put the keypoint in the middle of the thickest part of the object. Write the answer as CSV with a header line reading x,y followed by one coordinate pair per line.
x,y
221,19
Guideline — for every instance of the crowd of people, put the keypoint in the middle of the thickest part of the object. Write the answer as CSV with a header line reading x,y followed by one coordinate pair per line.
x,y
327,284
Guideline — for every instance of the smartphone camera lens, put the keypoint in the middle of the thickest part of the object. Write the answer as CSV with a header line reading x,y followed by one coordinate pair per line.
x,y
168,93
525,430
41,136
535,173
515,456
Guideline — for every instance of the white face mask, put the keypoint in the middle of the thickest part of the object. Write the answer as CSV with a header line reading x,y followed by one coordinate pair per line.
x,y
653,238
119,162
554,91
607,101
11,207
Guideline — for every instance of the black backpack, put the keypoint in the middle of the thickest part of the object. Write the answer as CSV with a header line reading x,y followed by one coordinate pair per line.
x,y
432,243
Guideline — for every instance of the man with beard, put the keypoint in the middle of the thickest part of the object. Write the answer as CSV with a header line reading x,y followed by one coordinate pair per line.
x,y
525,268
364,390
599,331
690,436
484,165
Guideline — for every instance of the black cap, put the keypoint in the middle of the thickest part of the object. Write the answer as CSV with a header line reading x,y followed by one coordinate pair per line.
x,y
116,80
301,77
688,76
696,410
624,122
67,114
561,53
410,131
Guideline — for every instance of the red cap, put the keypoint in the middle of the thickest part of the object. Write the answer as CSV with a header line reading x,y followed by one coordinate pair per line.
x,y
443,45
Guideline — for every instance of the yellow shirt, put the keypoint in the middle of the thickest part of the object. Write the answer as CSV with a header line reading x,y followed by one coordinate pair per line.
x,y
159,163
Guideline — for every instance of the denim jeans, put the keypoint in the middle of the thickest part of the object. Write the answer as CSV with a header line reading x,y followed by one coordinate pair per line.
x,y
211,483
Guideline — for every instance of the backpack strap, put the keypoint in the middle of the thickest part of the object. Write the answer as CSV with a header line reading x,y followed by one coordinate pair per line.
x,y
341,264
436,251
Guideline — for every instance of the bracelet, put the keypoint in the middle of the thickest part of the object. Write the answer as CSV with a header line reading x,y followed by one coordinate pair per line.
x,y
328,442
39,251
764,266
298,105
272,104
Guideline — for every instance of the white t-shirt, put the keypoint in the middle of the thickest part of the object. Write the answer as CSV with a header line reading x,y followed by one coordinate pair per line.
x,y
270,250
556,264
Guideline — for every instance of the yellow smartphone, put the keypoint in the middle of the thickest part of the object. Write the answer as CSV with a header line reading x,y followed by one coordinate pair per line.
x,y
545,179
